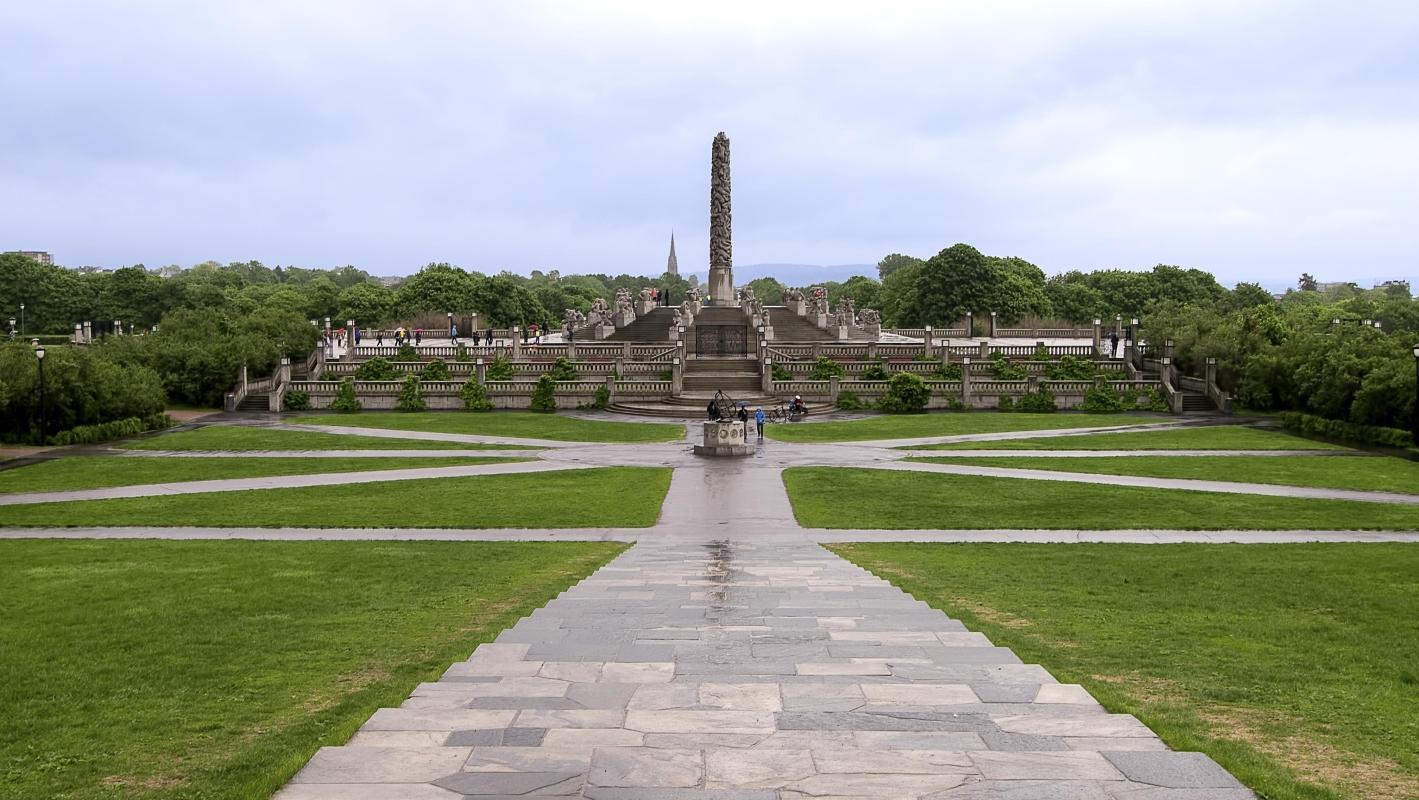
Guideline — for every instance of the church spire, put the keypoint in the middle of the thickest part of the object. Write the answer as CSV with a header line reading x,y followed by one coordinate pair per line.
x,y
671,265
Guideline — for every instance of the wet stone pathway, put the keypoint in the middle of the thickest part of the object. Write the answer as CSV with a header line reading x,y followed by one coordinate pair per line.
x,y
735,670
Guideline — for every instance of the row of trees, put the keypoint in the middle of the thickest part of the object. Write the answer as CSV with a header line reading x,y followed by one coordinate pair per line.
x,y
55,297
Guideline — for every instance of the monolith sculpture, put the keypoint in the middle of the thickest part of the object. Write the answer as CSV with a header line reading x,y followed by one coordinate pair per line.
x,y
721,277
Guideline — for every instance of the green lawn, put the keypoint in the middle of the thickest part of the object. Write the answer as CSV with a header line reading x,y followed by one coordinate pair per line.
x,y
524,424
1294,666
582,498
912,426
1222,437
1365,473
232,437
95,472
180,670
917,500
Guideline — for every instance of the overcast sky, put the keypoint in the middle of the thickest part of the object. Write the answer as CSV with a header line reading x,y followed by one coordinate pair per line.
x,y
1256,140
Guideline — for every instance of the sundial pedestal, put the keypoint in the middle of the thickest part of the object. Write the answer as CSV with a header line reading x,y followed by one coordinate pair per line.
x,y
725,439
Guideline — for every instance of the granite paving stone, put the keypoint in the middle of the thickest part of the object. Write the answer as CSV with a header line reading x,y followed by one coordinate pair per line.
x,y
745,662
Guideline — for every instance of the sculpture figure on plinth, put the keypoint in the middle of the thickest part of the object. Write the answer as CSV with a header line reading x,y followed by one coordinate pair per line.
x,y
869,317
721,254
623,299
600,312
793,295
692,295
846,314
819,303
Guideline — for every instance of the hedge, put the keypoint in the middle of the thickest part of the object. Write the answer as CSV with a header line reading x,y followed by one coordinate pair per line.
x,y
1346,431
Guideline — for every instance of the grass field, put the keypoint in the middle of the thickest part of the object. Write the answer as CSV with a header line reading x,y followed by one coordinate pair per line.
x,y
1221,437
94,472
1294,666
167,670
1365,473
583,498
915,500
911,426
232,437
523,424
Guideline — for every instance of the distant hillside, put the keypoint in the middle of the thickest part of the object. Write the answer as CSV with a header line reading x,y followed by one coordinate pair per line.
x,y
797,274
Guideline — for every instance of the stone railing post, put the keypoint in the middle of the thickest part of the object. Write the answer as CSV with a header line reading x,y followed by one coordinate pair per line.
x,y
926,343
620,365
970,325
88,333
571,349
984,353
516,344
992,324
872,349
817,351
480,371
1098,337
611,388
278,385
834,386
766,377
677,376
625,350
966,381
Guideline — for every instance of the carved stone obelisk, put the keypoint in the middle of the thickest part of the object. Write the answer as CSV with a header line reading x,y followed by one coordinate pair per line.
x,y
721,270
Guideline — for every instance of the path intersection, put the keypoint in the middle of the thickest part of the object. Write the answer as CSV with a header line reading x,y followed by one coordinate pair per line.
x,y
727,656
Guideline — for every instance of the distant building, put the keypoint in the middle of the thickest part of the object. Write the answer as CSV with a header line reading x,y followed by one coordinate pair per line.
x,y
671,265
38,255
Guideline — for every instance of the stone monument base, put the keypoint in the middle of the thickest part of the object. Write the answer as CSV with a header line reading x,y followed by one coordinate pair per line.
x,y
725,439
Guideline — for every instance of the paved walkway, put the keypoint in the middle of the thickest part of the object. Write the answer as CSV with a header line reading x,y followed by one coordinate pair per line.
x,y
727,656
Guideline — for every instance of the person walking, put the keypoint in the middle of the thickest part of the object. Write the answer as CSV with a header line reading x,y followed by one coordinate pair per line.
x,y
712,410
379,338
743,415
418,336
759,422
1113,345
453,334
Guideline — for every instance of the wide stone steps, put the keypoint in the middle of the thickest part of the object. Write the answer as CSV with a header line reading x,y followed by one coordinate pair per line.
x,y
648,328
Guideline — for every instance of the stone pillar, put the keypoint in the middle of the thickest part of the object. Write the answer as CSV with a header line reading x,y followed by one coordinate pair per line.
x,y
970,325
984,352
834,386
926,340
480,371
821,320
799,307
1118,325
625,350
1098,337
674,333
611,387
1168,350
992,324
966,381
1128,351
766,377
872,349
571,350
620,366
282,377
88,333
817,351
844,333
721,255
78,333
677,376
516,344
1211,373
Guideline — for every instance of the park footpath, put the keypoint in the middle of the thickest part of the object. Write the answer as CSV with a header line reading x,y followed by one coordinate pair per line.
x,y
728,656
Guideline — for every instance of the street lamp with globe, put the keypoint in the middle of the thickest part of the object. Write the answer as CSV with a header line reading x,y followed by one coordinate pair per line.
x,y
43,417
1416,394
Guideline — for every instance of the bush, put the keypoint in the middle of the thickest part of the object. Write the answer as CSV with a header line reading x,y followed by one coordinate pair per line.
x,y
1003,370
407,353
563,370
377,369
1041,402
461,354
1005,402
1346,431
83,386
906,394
345,401
296,401
947,372
876,372
475,397
1041,353
825,368
780,374
435,370
544,397
600,400
848,401
500,369
1071,368
955,403
107,431
1103,400
411,397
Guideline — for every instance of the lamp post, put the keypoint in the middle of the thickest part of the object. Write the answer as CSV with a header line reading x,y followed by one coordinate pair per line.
x,y
12,327
43,416
1416,394
450,324
22,319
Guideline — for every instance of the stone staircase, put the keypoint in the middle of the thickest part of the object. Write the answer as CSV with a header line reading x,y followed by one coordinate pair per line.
x,y
733,374
652,327
791,328
1196,401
